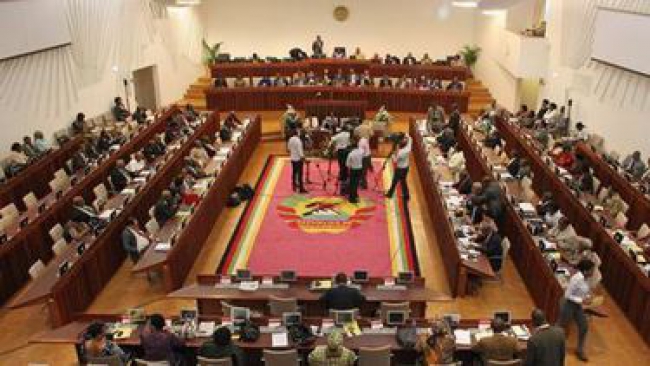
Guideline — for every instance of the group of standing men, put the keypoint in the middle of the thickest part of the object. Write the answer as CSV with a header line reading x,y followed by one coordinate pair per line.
x,y
351,148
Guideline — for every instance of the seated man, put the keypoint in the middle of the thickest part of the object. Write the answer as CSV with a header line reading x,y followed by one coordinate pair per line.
x,y
490,241
96,344
120,113
240,82
154,149
435,118
16,155
455,85
334,353
222,346
498,347
166,208
28,148
136,163
385,82
265,81
199,154
134,239
358,55
634,165
85,214
120,177
140,115
220,82
409,59
342,297
280,81
426,60
563,232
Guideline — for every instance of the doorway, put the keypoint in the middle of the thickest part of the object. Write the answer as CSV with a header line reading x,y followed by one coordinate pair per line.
x,y
145,87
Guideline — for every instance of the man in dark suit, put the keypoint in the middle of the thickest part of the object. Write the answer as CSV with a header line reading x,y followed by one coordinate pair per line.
x,y
342,297
84,214
490,241
493,199
119,110
120,177
547,345
166,208
514,164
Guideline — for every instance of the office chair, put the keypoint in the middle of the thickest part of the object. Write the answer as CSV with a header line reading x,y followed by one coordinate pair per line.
x,y
30,200
281,358
104,361
280,305
515,362
204,361
374,356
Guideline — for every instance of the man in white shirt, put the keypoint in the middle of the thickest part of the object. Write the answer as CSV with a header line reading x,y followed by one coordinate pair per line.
x,y
136,164
576,296
341,143
401,159
364,145
354,163
297,155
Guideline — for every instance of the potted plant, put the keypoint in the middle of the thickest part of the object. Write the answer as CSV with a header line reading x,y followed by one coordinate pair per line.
x,y
470,55
210,53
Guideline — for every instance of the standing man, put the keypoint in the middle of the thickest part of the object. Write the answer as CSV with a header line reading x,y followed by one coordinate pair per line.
x,y
364,146
546,347
401,159
341,143
354,162
317,48
576,296
297,155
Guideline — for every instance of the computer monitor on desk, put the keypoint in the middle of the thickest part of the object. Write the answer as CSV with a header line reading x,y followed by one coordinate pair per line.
x,y
360,276
288,276
244,275
396,317
291,318
503,315
404,278
189,315
342,317
239,315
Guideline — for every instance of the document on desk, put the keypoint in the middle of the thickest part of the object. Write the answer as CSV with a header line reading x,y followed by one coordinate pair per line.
x,y
463,337
106,215
279,339
163,247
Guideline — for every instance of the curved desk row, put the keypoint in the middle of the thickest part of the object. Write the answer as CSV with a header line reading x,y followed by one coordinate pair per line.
x,y
277,98
253,69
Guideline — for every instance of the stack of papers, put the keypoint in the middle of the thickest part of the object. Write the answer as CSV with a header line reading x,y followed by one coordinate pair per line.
x,y
463,337
279,339
527,207
521,332
205,329
249,285
163,247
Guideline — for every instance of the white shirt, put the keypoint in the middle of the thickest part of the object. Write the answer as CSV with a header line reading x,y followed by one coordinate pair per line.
x,y
364,145
402,156
552,219
582,135
355,159
578,289
341,140
295,148
135,165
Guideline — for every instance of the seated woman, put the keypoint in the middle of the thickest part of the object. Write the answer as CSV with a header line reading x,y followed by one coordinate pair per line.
x,y
221,346
96,345
438,347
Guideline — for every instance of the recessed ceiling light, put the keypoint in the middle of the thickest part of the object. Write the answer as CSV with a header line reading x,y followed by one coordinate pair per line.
x,y
465,3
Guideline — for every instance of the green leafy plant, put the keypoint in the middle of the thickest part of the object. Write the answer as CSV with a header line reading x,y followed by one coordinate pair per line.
x,y
470,55
210,53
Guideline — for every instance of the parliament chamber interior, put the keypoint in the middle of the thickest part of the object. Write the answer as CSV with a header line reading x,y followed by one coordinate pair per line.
x,y
325,182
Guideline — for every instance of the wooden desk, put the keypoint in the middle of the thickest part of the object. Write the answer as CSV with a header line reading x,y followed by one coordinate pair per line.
x,y
33,242
36,176
287,69
209,297
74,291
71,334
322,108
639,211
177,263
277,98
457,268
624,280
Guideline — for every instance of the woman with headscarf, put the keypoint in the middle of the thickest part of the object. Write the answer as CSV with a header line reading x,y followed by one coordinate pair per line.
x,y
437,347
333,354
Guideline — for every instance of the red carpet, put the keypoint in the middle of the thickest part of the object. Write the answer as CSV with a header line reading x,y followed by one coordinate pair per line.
x,y
319,234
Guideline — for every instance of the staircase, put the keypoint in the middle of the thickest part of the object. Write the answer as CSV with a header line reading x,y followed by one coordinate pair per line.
x,y
479,95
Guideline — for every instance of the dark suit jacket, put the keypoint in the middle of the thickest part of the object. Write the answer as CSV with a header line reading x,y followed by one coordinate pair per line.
x,y
85,215
498,347
119,178
513,166
342,298
164,211
493,250
546,347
